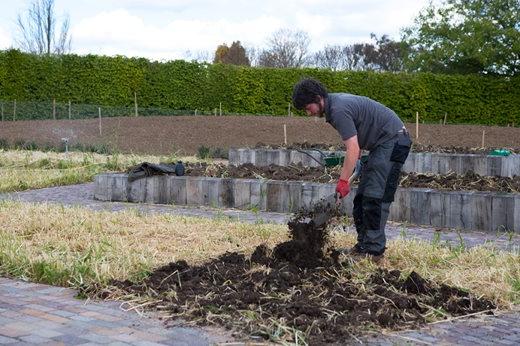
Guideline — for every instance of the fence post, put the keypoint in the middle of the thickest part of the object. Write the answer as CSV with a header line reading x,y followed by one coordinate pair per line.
x,y
54,109
416,125
14,110
289,110
220,108
135,103
69,110
2,111
99,112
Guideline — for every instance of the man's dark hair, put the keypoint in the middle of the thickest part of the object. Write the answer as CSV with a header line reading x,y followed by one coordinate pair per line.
x,y
307,91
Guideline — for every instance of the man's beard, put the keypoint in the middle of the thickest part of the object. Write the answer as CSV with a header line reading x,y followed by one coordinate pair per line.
x,y
321,113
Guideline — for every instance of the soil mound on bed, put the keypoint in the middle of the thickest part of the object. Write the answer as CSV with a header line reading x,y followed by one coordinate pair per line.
x,y
453,182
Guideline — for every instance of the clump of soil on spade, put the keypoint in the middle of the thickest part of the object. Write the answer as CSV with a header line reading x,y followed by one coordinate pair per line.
x,y
300,284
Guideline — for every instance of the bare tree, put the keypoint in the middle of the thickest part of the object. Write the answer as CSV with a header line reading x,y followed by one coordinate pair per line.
x,y
331,57
38,30
354,59
252,54
200,56
287,48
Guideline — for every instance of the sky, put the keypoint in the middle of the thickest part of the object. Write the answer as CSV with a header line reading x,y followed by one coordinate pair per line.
x,y
174,29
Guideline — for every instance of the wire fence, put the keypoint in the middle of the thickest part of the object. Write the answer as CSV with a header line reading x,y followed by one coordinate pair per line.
x,y
39,110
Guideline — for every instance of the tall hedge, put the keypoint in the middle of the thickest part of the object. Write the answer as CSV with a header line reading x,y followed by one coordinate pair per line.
x,y
113,81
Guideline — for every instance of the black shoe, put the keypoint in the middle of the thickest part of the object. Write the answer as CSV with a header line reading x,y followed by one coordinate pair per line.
x,y
355,250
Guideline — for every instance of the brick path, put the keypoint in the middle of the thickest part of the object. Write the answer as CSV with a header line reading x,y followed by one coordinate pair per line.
x,y
31,313
40,314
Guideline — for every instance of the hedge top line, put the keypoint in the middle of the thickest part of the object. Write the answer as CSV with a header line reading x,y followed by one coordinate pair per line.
x,y
118,81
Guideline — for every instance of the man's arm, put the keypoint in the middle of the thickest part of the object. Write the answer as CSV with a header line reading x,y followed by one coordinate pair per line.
x,y
351,156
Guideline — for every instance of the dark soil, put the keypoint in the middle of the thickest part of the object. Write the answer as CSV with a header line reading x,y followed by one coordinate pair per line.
x,y
416,147
298,286
452,182
186,134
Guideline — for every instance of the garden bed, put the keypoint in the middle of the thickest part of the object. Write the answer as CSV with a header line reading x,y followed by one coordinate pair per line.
x,y
416,147
448,182
218,186
419,162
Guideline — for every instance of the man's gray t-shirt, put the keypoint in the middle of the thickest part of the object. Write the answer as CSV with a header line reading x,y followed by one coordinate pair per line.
x,y
371,121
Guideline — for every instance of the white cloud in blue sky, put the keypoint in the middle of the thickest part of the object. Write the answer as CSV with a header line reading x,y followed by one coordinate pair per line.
x,y
166,29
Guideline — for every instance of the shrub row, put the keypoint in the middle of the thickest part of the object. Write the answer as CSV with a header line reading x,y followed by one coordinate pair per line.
x,y
114,81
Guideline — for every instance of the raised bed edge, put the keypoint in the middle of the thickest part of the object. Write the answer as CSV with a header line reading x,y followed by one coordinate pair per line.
x,y
465,210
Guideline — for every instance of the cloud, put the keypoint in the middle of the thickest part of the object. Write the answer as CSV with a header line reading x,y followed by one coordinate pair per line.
x,y
119,31
5,39
167,29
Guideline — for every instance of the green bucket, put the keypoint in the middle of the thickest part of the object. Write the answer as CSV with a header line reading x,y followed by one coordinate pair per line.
x,y
500,152
333,160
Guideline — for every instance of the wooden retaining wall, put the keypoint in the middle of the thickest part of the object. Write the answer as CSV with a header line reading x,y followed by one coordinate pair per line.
x,y
486,211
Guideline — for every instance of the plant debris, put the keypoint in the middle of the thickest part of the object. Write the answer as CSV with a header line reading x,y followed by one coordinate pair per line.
x,y
451,181
416,147
298,292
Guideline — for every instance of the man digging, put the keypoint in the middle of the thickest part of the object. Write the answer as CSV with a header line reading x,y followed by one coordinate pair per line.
x,y
366,124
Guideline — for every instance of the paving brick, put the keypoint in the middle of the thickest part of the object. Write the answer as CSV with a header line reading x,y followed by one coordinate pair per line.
x,y
144,335
96,338
70,339
81,318
35,339
32,312
63,313
47,333
147,343
4,340
105,331
39,307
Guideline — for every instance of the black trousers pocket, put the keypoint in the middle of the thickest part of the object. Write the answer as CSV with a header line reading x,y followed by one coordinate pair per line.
x,y
392,182
401,150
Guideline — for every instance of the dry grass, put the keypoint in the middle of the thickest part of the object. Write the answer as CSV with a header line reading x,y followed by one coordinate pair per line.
x,y
24,169
77,247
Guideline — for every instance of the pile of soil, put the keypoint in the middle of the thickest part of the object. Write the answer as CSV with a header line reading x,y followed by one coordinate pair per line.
x,y
451,182
298,287
456,182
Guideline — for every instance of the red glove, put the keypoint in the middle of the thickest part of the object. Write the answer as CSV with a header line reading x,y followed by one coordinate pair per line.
x,y
342,188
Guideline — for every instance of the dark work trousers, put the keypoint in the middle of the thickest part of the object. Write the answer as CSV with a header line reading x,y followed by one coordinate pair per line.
x,y
378,183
